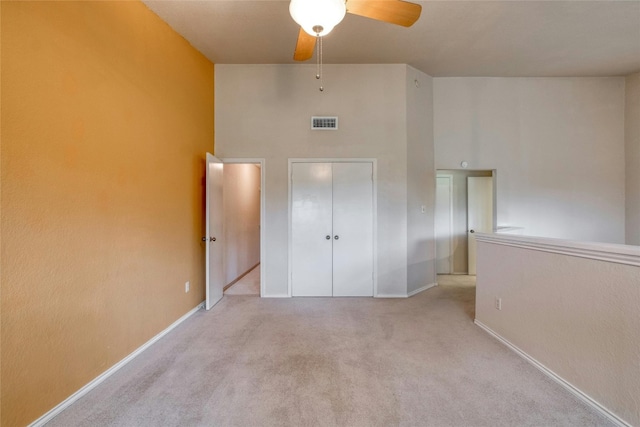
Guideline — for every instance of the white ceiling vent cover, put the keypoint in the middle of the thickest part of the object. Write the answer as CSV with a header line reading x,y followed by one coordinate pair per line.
x,y
324,123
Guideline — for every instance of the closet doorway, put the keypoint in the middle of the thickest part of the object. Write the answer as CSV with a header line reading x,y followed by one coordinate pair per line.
x,y
332,228
465,204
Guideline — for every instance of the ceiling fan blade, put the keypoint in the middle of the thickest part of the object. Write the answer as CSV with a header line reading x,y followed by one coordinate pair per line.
x,y
392,11
304,47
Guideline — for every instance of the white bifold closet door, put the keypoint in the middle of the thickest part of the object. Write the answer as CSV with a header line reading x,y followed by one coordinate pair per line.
x,y
352,229
311,230
332,229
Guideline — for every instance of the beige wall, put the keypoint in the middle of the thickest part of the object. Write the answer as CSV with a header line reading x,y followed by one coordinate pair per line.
x,y
577,316
264,111
106,115
632,158
557,145
241,199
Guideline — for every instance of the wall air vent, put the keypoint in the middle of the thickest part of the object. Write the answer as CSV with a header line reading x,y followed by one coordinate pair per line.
x,y
324,123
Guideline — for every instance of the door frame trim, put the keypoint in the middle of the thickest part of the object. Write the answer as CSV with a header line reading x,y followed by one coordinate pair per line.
x,y
263,224
374,166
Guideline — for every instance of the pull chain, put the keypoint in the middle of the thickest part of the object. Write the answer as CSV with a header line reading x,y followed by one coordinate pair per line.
x,y
319,63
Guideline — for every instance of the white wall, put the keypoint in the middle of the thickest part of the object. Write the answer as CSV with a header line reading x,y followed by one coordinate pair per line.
x,y
632,158
241,199
421,252
575,315
264,111
557,145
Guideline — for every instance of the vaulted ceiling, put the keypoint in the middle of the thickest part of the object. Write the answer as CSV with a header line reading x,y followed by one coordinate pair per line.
x,y
451,38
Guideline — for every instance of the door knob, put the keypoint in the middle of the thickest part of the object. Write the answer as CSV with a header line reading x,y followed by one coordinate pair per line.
x,y
328,237
471,231
336,237
212,239
204,238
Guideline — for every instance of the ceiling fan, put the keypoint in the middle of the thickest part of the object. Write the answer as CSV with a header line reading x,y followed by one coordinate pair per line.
x,y
318,17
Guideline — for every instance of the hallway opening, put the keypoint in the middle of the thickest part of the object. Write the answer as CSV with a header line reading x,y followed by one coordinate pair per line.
x,y
241,228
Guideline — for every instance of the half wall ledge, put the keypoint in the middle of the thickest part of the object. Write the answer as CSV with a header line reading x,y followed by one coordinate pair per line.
x,y
569,308
620,254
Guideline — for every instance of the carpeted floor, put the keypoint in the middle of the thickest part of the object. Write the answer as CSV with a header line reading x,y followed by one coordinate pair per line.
x,y
249,284
332,362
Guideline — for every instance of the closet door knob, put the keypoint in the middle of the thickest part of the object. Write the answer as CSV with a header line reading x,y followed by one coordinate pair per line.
x,y
328,237
336,237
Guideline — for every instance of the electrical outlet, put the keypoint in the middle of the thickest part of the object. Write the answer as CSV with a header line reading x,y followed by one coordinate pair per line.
x,y
187,285
498,303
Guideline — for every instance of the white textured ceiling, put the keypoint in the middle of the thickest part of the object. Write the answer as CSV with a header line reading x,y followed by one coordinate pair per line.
x,y
451,38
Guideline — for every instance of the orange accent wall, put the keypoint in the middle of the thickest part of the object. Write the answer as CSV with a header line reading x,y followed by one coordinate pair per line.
x,y
106,116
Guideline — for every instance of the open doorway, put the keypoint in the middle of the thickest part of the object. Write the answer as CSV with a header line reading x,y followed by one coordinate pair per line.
x,y
465,204
242,188
235,236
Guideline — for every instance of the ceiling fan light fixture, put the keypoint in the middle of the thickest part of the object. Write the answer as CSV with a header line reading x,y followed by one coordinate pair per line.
x,y
317,17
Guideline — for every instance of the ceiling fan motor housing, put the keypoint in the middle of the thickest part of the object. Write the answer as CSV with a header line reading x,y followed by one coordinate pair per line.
x,y
317,17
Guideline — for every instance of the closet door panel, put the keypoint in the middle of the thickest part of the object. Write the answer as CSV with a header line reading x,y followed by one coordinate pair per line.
x,y
352,229
311,223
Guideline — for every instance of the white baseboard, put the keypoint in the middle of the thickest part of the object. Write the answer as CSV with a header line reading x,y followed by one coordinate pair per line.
x,y
570,387
412,293
424,288
106,374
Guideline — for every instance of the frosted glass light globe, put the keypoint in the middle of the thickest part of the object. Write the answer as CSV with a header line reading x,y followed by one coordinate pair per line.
x,y
317,17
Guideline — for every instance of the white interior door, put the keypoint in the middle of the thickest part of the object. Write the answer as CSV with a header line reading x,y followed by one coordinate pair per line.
x,y
214,220
479,213
352,229
311,229
444,224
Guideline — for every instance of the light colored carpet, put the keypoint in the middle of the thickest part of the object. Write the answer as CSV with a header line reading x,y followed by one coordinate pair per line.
x,y
331,362
248,285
